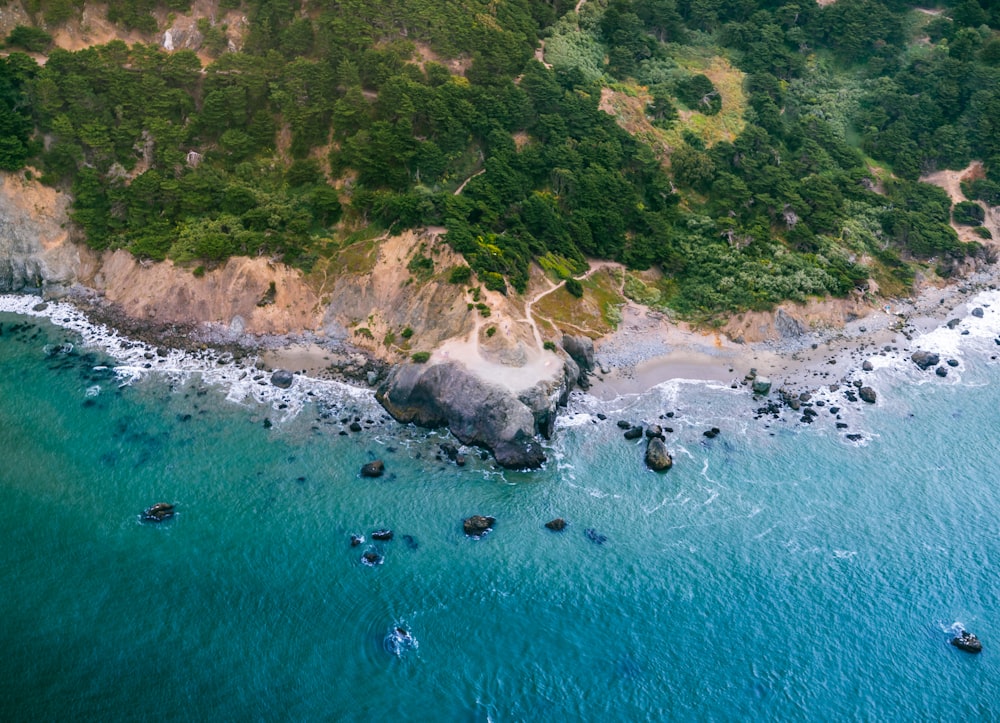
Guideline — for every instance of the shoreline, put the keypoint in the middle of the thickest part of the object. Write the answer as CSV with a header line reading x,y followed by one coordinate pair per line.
x,y
645,351
648,350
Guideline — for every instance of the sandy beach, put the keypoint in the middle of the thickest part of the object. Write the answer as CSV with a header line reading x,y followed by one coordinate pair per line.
x,y
647,349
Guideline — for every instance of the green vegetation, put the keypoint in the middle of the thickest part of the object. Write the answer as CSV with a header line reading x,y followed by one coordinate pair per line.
x,y
335,118
968,213
420,357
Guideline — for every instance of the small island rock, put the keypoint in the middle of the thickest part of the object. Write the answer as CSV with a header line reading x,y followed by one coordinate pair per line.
x,y
657,456
556,525
477,525
383,535
375,468
159,512
968,642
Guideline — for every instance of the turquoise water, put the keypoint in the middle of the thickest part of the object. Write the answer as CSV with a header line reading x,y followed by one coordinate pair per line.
x,y
778,571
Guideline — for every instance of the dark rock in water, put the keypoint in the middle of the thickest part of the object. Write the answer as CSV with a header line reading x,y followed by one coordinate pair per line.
x,y
594,536
841,425
968,642
411,542
460,460
355,427
556,525
633,433
654,430
622,424
268,423
941,371
952,362
925,359
371,557
398,641
867,366
375,468
383,535
601,416
867,394
450,450
159,512
40,307
477,525
712,433
953,323
357,540
282,378
761,386
855,437
977,312
658,458
806,419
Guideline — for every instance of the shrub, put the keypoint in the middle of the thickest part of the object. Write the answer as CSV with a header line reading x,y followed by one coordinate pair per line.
x,y
982,232
365,332
420,357
574,287
491,331
460,275
484,310
406,333
549,346
199,271
967,213
34,40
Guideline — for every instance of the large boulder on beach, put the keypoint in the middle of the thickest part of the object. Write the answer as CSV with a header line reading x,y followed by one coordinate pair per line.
x,y
761,386
658,458
282,378
925,359
477,411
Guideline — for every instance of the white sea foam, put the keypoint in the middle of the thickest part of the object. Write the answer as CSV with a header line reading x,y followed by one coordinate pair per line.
x,y
242,380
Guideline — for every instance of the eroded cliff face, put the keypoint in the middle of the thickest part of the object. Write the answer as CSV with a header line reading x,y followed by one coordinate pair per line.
x,y
238,295
35,247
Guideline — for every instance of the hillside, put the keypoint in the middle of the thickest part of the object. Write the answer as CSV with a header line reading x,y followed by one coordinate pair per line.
x,y
732,155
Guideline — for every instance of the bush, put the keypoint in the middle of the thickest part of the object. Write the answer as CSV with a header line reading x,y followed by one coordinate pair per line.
x,y
574,287
34,40
982,232
420,357
460,275
406,333
491,331
967,213
549,346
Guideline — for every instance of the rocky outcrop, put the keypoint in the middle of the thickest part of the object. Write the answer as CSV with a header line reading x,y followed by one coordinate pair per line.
x,y
375,468
36,252
581,350
159,512
925,359
477,525
657,456
476,411
968,642
787,325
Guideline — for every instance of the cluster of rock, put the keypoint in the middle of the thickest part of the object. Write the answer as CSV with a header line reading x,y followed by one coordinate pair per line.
x,y
158,513
481,413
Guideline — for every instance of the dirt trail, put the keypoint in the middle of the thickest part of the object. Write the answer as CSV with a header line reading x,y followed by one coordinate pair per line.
x,y
951,182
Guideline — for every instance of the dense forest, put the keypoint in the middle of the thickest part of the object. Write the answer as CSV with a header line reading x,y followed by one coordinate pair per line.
x,y
339,116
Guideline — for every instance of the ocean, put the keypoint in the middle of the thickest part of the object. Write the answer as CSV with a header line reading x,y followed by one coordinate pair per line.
x,y
779,571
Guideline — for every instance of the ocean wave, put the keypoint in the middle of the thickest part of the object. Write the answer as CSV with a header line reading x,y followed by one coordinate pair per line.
x,y
242,380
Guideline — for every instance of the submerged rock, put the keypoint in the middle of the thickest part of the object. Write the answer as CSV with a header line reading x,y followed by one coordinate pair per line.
x,y
159,512
477,525
371,558
633,433
594,536
375,468
556,525
658,458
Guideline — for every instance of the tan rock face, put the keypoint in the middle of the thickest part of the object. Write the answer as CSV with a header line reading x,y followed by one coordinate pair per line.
x,y
35,248
240,288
